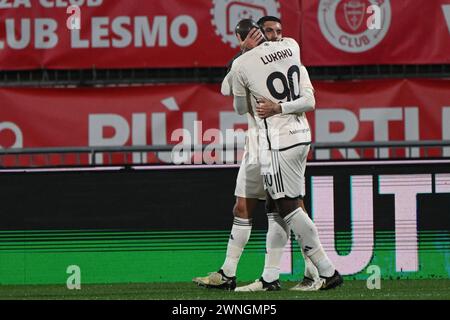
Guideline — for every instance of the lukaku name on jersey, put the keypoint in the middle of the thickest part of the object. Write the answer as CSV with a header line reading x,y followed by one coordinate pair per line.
x,y
283,54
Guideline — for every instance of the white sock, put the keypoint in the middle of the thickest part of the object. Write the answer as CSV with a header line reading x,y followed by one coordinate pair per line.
x,y
310,269
306,231
277,237
240,233
323,263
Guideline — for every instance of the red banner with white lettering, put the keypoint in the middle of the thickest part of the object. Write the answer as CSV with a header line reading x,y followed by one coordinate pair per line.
x,y
355,32
197,33
372,110
382,110
129,34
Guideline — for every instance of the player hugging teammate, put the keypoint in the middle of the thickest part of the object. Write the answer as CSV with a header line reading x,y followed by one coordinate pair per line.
x,y
271,86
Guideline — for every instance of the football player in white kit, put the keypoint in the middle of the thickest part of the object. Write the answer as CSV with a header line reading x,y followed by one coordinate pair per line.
x,y
272,74
250,188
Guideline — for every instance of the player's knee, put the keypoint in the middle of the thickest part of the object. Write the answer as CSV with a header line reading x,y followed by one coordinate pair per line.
x,y
286,211
240,210
286,206
270,207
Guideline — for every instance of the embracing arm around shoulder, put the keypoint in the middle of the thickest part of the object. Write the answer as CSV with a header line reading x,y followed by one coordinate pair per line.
x,y
305,103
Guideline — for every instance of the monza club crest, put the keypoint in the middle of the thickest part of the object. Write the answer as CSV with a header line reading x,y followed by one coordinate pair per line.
x,y
227,13
345,23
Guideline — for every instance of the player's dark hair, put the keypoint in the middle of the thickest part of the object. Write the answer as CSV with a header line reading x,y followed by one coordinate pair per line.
x,y
244,27
268,18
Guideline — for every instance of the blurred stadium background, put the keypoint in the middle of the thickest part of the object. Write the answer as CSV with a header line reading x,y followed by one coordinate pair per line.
x,y
89,118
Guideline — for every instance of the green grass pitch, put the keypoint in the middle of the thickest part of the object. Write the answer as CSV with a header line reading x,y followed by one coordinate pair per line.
x,y
351,290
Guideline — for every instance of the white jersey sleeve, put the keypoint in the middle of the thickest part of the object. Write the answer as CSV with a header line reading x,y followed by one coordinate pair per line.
x,y
240,90
239,81
305,81
226,87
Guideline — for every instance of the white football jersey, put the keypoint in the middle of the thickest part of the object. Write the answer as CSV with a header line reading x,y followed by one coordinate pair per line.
x,y
273,70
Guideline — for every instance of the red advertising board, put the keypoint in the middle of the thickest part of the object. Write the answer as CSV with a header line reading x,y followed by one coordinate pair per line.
x,y
372,110
197,33
129,34
382,110
355,32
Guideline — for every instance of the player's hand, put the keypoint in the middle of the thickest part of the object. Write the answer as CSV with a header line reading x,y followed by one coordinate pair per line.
x,y
253,38
267,108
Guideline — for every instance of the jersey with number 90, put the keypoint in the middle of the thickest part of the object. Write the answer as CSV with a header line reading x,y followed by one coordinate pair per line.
x,y
273,70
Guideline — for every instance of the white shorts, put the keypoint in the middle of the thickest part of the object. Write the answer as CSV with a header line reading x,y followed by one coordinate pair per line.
x,y
284,171
249,181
